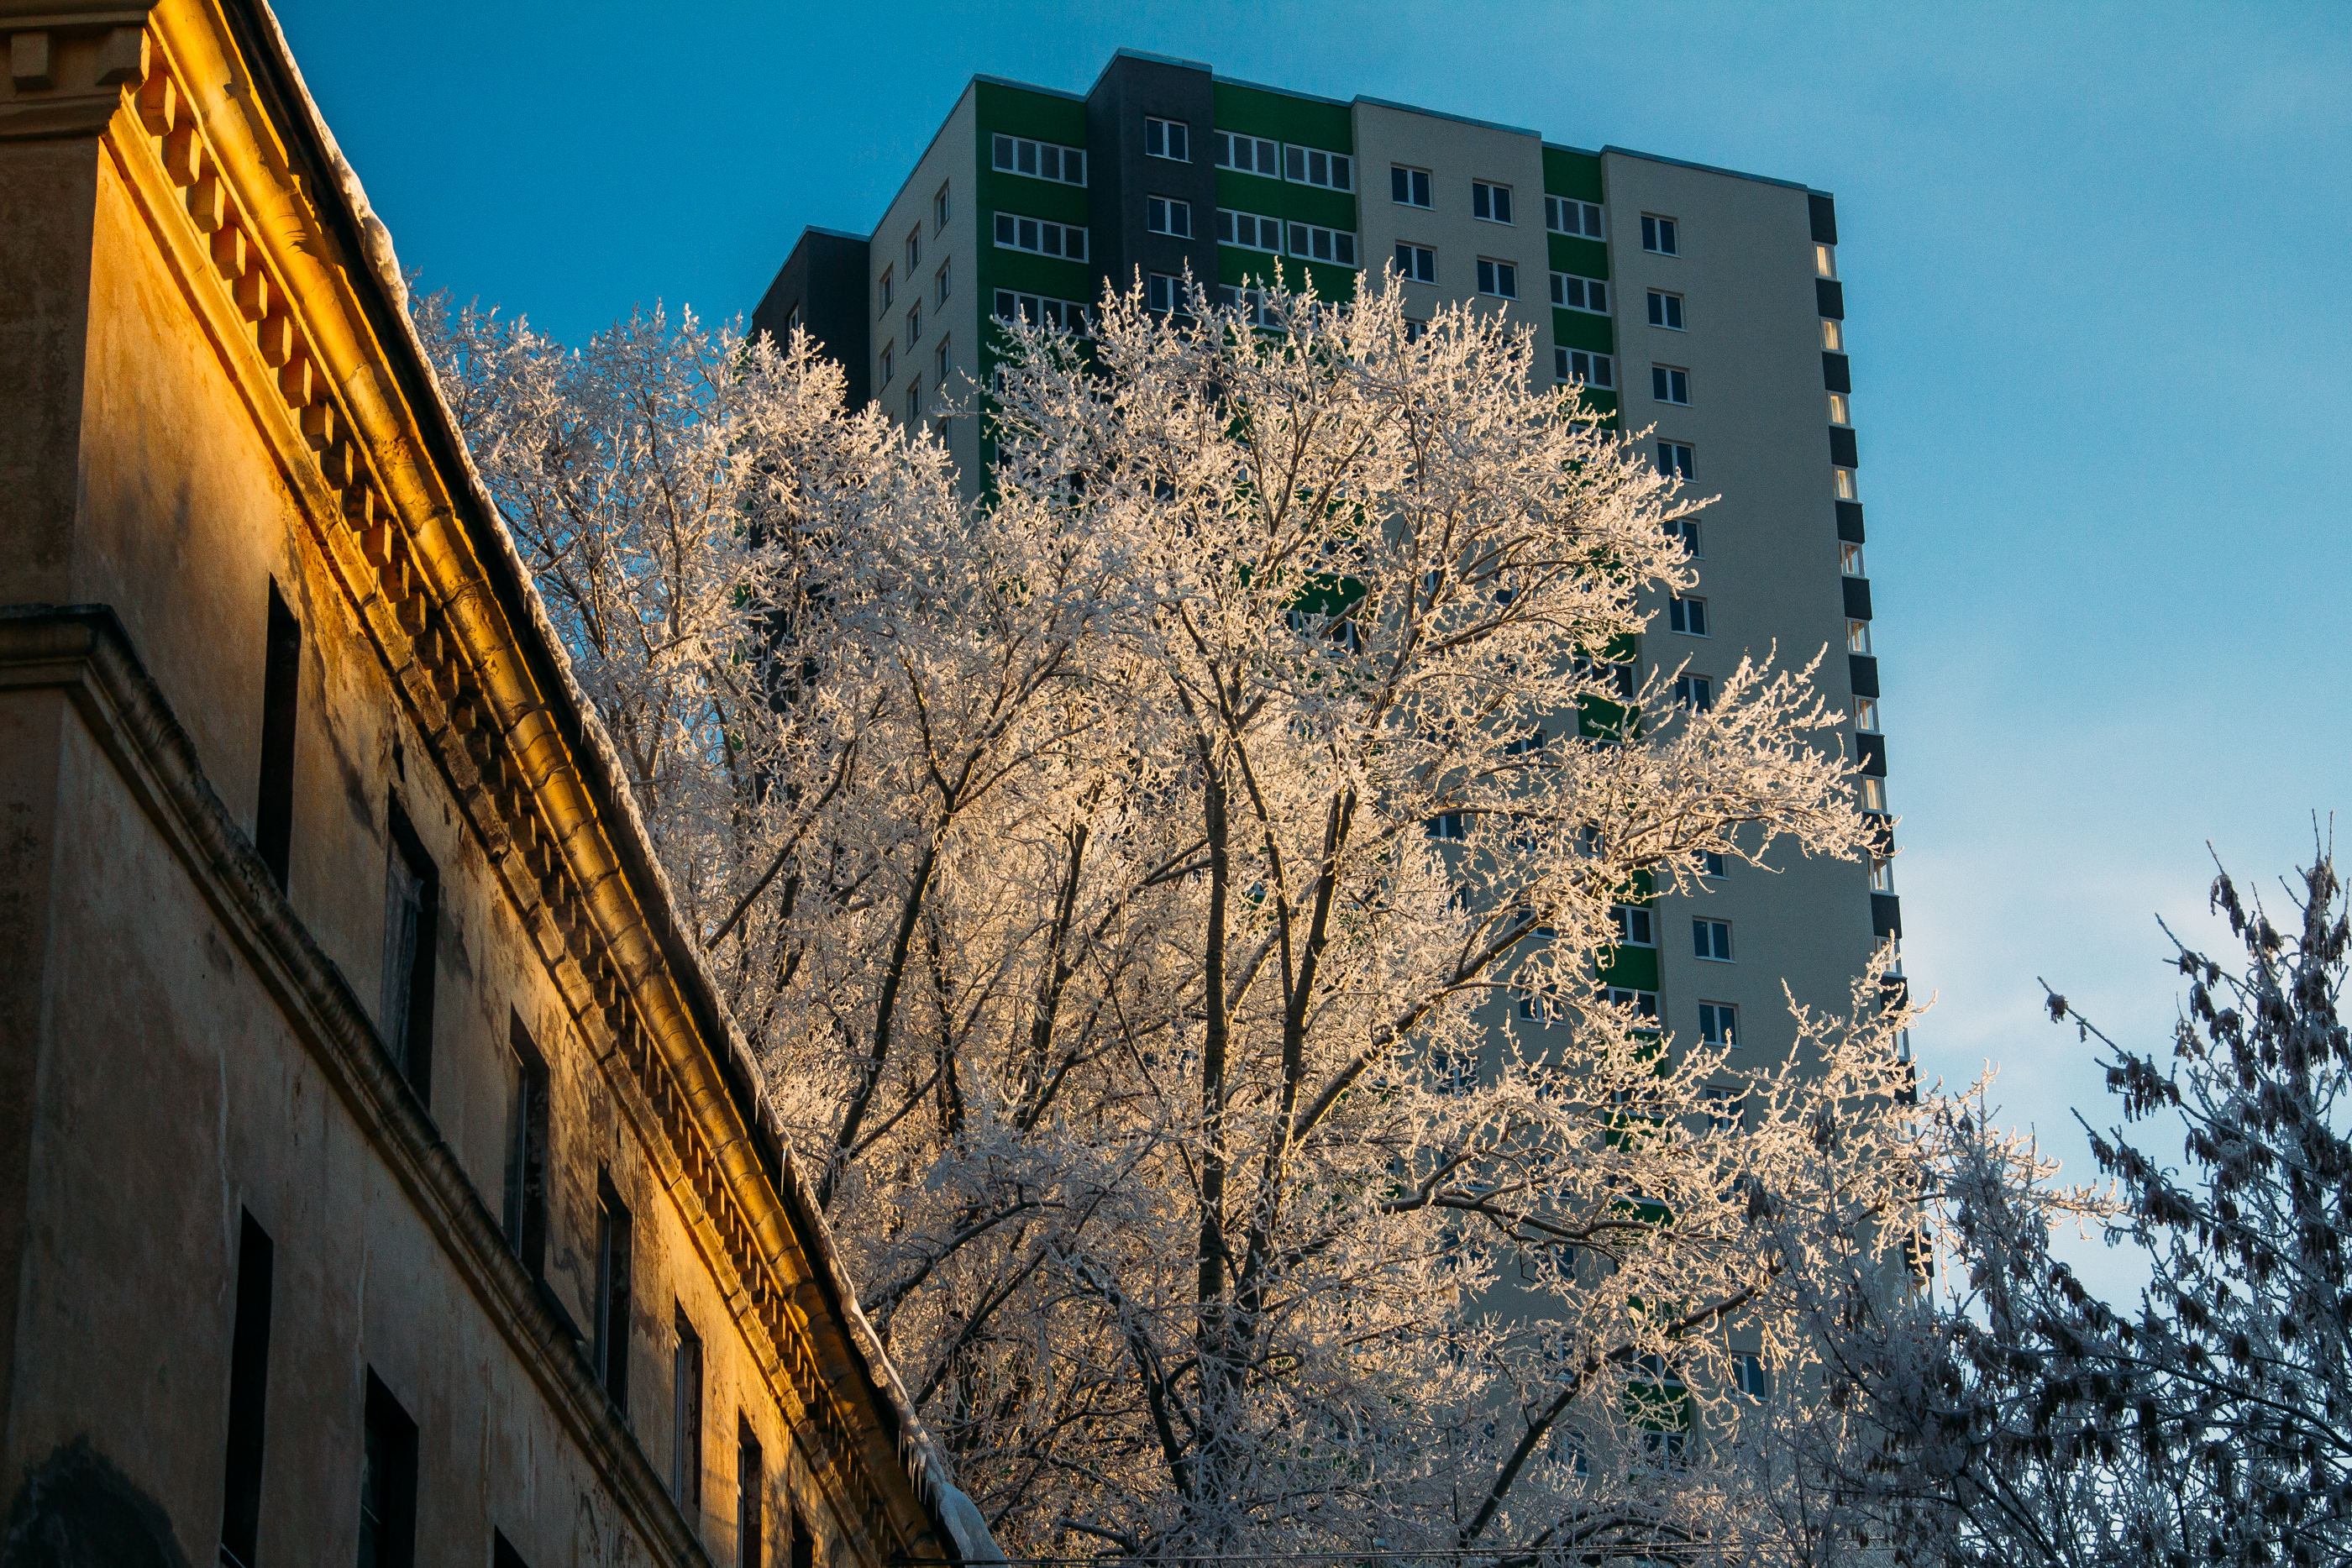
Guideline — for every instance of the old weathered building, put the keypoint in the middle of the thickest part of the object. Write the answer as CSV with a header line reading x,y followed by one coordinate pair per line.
x,y
379,1178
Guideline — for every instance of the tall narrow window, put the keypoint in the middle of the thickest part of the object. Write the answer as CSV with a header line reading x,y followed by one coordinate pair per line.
x,y
803,1543
939,210
526,1175
686,1417
387,1482
751,1481
248,1386
613,1237
273,811
412,910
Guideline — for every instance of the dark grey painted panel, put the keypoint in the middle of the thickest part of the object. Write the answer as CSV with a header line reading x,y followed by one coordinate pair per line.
x,y
1849,514
1837,372
1829,295
1870,750
1122,176
1885,914
1843,452
1822,210
1857,598
1862,674
824,279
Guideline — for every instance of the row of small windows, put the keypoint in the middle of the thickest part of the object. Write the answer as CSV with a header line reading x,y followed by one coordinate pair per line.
x,y
1310,241
1582,365
1041,160
1039,310
1568,215
1299,165
1571,292
1041,236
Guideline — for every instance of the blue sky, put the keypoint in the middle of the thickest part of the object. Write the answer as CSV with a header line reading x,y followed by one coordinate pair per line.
x,y
2095,263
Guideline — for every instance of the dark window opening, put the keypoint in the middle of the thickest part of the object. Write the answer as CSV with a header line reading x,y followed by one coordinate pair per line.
x,y
526,1174
613,1237
685,1398
750,1480
412,907
249,1388
273,812
502,1553
804,1547
387,1483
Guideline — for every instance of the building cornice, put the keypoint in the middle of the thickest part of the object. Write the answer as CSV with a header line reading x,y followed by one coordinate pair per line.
x,y
201,111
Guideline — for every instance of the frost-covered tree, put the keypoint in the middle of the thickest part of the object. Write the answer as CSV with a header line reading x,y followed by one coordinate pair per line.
x,y
1070,857
2026,1421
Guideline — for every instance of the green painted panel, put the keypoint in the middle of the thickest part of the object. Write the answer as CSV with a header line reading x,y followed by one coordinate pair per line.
x,y
1031,197
1046,275
1572,174
1260,111
1635,968
1584,257
1583,329
1281,199
1023,111
1332,283
1602,403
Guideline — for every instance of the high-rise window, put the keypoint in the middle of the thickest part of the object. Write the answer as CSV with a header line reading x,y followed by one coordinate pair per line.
x,y
615,1236
1858,636
1824,261
914,400
1832,336
888,288
941,363
524,1211
1040,160
1163,291
1166,215
1873,793
1632,923
1066,314
1416,263
248,1389
1168,139
1670,384
1315,242
1865,715
1248,154
1695,693
1568,215
1711,939
945,280
1687,530
751,1503
915,324
941,208
1498,278
1643,1003
1409,187
1749,1374
1580,365
387,1482
1571,292
1847,490
1313,166
1841,412
914,253
1718,1022
1674,459
1687,616
1710,862
1492,203
1849,562
686,1417
890,362
1659,235
1666,310
281,670
411,911
1040,236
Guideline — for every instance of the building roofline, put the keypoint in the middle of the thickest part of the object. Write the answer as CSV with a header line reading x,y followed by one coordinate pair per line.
x,y
1280,92
905,185
1443,114
1029,87
1118,55
1708,168
807,229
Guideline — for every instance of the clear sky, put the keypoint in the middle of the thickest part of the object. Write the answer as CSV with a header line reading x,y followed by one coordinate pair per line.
x,y
2097,265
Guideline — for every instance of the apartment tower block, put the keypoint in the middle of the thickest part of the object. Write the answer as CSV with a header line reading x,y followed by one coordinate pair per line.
x,y
1699,305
